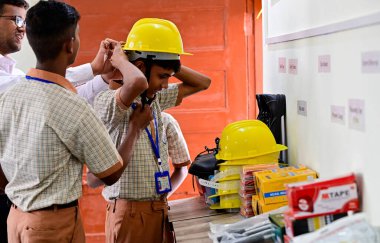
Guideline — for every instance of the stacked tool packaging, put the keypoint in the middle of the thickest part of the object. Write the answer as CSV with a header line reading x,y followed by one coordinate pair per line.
x,y
313,205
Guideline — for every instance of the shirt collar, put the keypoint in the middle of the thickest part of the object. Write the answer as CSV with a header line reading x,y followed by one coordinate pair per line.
x,y
7,64
52,77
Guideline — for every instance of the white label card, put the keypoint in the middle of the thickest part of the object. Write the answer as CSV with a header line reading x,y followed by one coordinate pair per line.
x,y
282,65
302,107
356,114
338,114
293,66
371,62
324,64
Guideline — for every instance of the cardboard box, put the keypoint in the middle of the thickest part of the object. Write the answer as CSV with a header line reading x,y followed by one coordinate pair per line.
x,y
292,168
260,207
322,197
272,187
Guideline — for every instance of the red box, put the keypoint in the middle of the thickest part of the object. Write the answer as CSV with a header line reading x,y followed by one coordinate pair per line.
x,y
322,197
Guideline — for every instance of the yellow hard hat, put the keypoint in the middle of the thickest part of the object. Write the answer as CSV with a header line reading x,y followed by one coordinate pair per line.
x,y
155,37
246,139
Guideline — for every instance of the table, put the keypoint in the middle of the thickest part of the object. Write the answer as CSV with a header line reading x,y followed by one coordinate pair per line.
x,y
190,218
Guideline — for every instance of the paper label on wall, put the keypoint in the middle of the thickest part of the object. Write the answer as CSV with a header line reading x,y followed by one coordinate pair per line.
x,y
302,107
356,114
282,65
338,114
293,66
371,62
324,64
274,2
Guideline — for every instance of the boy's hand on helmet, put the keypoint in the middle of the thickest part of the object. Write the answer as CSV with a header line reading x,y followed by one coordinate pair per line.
x,y
101,63
118,56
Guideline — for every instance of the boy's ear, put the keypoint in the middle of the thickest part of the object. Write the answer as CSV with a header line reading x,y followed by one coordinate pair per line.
x,y
140,65
69,45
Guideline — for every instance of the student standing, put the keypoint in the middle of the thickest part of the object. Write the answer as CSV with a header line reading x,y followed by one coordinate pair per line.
x,y
48,132
12,33
137,203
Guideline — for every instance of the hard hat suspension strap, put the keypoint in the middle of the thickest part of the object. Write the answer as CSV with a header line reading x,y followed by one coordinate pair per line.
x,y
148,67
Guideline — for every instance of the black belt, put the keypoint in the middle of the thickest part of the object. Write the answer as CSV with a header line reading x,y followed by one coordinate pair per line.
x,y
61,206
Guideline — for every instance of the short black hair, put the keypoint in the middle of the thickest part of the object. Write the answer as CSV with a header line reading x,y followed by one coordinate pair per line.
x,y
168,64
174,65
49,25
17,3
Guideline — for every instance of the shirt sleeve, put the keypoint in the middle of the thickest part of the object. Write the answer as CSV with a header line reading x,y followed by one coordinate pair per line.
x,y
177,147
95,147
108,109
80,74
168,97
92,88
7,81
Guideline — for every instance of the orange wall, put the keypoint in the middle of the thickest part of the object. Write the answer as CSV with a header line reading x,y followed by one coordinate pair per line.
x,y
224,37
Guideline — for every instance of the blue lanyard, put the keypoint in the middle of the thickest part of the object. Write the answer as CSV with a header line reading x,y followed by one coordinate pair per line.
x,y
39,79
155,146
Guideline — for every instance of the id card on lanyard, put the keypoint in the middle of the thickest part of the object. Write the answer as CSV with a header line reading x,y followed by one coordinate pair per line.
x,y
162,177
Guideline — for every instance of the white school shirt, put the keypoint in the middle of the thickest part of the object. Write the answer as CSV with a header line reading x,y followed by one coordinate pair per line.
x,y
81,76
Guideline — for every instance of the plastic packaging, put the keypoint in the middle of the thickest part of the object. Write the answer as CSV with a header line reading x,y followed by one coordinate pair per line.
x,y
351,229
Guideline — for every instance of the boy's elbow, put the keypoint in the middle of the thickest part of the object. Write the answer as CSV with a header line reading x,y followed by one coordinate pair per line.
x,y
113,178
109,181
143,83
205,84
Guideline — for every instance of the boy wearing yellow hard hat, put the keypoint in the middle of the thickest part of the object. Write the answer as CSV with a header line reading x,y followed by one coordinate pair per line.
x,y
137,204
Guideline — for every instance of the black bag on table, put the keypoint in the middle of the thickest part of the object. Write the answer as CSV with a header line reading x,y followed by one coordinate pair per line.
x,y
272,111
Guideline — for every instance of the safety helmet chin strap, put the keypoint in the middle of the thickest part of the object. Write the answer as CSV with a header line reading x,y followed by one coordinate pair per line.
x,y
148,58
144,98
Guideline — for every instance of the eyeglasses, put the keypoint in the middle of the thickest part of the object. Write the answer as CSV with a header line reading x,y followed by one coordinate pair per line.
x,y
19,21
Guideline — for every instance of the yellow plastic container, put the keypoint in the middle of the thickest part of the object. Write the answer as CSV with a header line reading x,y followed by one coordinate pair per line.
x,y
235,171
227,187
227,201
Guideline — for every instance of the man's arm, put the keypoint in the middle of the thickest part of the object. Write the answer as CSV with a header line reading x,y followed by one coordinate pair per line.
x,y
177,177
192,82
83,78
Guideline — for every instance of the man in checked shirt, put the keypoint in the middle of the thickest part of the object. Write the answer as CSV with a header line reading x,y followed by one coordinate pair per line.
x,y
137,203
48,133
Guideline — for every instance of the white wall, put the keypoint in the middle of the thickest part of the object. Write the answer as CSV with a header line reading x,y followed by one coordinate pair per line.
x,y
330,148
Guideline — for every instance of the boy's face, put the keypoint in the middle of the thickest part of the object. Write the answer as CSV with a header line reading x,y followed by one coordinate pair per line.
x,y
10,35
159,79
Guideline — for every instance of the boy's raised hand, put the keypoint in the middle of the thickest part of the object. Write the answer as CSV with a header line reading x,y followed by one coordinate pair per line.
x,y
101,63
